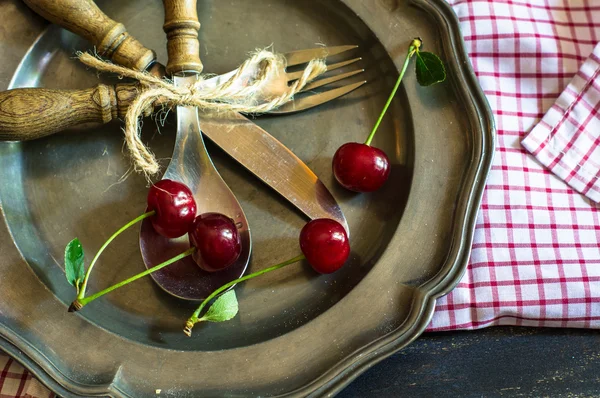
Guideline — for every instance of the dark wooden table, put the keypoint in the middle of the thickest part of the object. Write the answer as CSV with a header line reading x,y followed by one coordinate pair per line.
x,y
492,362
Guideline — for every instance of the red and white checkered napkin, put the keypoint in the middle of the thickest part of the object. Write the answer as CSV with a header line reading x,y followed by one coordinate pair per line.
x,y
566,140
16,382
536,255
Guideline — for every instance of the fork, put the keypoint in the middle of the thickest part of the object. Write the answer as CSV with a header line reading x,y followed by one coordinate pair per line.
x,y
32,113
300,57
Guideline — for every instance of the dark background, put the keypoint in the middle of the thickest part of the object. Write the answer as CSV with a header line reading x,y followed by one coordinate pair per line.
x,y
492,362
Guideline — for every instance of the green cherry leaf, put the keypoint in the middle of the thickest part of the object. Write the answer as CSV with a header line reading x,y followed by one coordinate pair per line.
x,y
223,309
430,69
74,266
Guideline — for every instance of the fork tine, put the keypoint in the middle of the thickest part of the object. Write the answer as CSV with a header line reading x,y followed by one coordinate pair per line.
x,y
332,79
303,56
296,75
313,100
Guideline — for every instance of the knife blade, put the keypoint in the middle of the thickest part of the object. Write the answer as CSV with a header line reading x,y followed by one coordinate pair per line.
x,y
274,164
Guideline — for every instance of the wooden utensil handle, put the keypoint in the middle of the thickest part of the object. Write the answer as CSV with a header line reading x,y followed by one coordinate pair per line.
x,y
182,26
85,19
30,113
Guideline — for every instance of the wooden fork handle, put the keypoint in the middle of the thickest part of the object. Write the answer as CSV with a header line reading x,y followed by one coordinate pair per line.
x,y
182,26
110,38
31,113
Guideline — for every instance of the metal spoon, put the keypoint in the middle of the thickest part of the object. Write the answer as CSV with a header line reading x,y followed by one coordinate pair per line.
x,y
192,166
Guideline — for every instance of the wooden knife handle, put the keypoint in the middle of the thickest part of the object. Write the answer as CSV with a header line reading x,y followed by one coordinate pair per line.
x,y
85,19
30,113
182,26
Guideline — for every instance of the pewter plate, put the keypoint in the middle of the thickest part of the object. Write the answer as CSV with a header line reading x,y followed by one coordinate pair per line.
x,y
297,333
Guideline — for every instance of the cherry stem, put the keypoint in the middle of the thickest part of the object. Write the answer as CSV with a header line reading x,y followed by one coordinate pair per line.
x,y
414,47
194,318
79,303
81,293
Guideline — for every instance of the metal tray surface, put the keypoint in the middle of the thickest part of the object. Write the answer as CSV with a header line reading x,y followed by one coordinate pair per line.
x,y
297,333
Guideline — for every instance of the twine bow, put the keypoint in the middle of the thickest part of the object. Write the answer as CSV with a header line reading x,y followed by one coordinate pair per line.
x,y
246,91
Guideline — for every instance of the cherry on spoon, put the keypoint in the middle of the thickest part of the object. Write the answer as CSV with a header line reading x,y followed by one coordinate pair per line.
x,y
174,206
217,241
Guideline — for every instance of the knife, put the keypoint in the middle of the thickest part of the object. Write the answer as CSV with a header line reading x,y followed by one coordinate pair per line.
x,y
32,113
274,164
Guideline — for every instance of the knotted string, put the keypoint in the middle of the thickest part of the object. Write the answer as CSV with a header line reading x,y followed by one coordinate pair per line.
x,y
249,90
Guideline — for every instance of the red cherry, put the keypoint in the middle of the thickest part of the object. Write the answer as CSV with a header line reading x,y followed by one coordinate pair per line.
x,y
217,241
360,167
324,243
175,208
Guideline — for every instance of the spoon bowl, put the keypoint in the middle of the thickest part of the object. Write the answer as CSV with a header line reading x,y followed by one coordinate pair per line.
x,y
192,166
